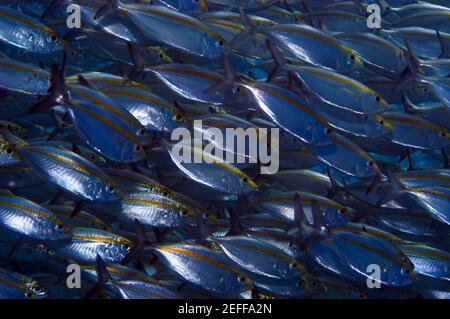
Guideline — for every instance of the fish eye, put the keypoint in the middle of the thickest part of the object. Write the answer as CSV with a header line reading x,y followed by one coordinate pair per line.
x,y
314,283
137,147
38,289
141,131
127,246
300,283
328,131
377,98
293,265
370,163
178,116
244,179
361,295
60,226
241,278
53,37
342,210
165,193
9,151
28,294
352,56
221,42
444,134
110,189
161,55
184,212
206,215
381,122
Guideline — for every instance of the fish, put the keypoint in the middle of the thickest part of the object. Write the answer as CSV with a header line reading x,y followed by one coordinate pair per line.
x,y
326,253
313,46
86,243
41,42
354,96
179,78
214,172
18,286
223,149
71,172
281,205
160,23
428,261
286,108
26,78
153,210
32,220
259,257
347,157
153,112
199,259
426,135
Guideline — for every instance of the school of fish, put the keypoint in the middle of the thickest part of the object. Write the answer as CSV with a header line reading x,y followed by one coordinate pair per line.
x,y
94,205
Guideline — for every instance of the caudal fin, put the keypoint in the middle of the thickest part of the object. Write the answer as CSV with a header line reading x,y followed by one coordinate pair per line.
x,y
53,5
57,93
411,74
140,245
278,59
107,8
250,28
445,46
228,81
102,278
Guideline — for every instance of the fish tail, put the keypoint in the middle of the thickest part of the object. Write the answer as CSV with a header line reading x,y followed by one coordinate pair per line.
x,y
250,28
142,241
107,8
445,46
278,58
335,188
407,104
102,278
411,74
139,63
384,5
53,5
57,93
228,81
